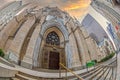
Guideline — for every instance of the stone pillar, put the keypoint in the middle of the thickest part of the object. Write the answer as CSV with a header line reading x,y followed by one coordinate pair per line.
x,y
68,55
28,58
20,36
81,47
6,31
118,66
90,47
84,51
74,51
32,52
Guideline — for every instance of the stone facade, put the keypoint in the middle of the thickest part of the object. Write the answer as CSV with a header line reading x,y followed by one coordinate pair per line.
x,y
27,39
8,12
106,47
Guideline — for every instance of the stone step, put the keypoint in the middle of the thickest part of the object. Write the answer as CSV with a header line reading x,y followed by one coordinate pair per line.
x,y
97,77
88,77
21,74
85,73
90,73
1,78
109,75
105,74
103,77
93,74
114,73
21,77
53,79
15,79
2,60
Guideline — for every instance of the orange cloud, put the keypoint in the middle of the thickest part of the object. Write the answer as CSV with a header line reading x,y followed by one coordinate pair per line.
x,y
79,5
76,8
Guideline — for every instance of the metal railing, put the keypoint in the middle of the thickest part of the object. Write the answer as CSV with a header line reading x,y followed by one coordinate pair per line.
x,y
68,70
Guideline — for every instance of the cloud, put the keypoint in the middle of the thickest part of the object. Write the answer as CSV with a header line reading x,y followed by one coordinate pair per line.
x,y
76,8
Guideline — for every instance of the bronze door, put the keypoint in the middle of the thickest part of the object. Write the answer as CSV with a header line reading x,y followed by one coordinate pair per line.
x,y
53,60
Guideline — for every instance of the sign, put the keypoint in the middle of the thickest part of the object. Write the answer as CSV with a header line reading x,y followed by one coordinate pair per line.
x,y
117,27
90,64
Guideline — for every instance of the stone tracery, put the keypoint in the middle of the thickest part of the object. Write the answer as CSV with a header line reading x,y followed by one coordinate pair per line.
x,y
53,39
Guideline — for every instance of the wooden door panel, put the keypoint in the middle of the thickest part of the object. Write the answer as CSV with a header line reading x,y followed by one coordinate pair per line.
x,y
45,59
53,60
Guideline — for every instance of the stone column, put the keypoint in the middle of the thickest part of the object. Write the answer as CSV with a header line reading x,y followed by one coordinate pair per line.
x,y
68,55
118,66
84,51
20,36
37,51
6,32
80,47
74,51
28,58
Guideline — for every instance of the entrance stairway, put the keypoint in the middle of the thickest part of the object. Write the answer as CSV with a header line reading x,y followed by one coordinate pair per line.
x,y
23,76
103,71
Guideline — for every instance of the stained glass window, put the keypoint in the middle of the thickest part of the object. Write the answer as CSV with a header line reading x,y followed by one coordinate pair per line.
x,y
52,38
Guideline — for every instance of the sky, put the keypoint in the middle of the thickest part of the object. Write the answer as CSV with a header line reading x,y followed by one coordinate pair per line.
x,y
76,8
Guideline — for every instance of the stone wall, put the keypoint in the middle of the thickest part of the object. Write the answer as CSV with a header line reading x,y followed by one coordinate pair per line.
x,y
24,38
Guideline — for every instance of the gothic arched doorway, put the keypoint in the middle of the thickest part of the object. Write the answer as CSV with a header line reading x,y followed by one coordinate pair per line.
x,y
53,40
52,51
